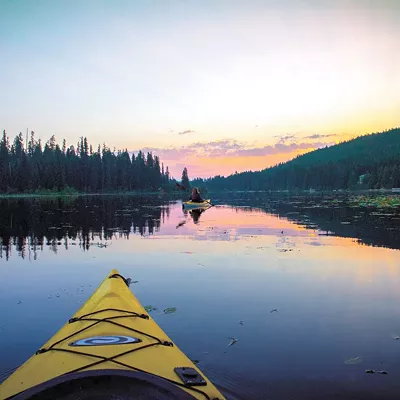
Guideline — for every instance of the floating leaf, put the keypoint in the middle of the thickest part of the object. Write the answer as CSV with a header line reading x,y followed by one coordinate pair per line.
x,y
148,308
233,341
169,310
369,371
382,372
354,360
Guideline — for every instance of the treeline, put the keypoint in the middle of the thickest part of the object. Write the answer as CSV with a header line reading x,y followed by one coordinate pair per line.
x,y
32,166
367,162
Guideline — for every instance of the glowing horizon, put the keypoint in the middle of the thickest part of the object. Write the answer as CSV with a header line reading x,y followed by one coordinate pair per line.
x,y
171,76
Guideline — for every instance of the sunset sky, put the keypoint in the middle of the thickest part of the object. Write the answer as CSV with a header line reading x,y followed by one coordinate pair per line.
x,y
216,86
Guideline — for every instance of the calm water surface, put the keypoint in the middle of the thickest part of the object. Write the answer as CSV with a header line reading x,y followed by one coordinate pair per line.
x,y
332,273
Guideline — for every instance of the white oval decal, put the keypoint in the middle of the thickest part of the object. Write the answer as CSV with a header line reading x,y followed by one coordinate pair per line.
x,y
104,341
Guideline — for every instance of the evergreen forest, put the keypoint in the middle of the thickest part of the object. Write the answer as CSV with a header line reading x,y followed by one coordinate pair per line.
x,y
367,162
34,166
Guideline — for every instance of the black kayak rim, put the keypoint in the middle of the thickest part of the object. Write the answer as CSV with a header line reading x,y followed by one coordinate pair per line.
x,y
94,384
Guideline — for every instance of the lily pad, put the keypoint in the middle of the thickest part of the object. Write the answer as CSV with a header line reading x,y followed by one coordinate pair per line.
x,y
354,360
169,310
149,308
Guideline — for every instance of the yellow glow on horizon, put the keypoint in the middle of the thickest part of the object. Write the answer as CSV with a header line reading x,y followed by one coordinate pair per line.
x,y
210,166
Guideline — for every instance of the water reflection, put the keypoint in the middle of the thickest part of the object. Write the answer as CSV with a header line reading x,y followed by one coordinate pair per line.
x,y
195,214
236,262
30,224
333,216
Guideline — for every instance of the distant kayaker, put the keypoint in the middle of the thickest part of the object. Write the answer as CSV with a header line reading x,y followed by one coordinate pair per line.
x,y
195,196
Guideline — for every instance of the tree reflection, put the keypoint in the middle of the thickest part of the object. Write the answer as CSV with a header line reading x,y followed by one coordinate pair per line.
x,y
30,224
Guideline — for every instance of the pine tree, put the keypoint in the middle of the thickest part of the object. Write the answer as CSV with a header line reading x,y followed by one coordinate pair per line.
x,y
185,179
5,167
167,174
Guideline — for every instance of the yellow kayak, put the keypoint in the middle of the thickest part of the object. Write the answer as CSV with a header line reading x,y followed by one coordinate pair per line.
x,y
193,204
110,349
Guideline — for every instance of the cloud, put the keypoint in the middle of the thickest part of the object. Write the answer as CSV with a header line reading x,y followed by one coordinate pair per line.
x,y
230,148
185,132
218,148
228,155
285,138
278,148
319,136
171,153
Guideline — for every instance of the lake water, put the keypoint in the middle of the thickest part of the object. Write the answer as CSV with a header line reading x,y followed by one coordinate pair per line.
x,y
330,272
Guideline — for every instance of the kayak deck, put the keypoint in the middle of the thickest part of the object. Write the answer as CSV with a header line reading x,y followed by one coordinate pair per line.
x,y
194,204
111,332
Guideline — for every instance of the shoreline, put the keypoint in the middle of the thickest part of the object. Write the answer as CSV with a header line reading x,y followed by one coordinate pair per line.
x,y
210,192
81,194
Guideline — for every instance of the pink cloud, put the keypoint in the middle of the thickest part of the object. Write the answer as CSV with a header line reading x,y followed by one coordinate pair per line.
x,y
218,148
194,156
284,138
230,148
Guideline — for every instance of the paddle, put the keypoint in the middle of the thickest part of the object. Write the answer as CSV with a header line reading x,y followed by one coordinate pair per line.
x,y
211,205
180,187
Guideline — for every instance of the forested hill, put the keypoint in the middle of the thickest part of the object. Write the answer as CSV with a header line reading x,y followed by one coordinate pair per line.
x,y
33,166
371,161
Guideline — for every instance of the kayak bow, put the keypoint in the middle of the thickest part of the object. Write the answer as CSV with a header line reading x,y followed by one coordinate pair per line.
x,y
111,348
